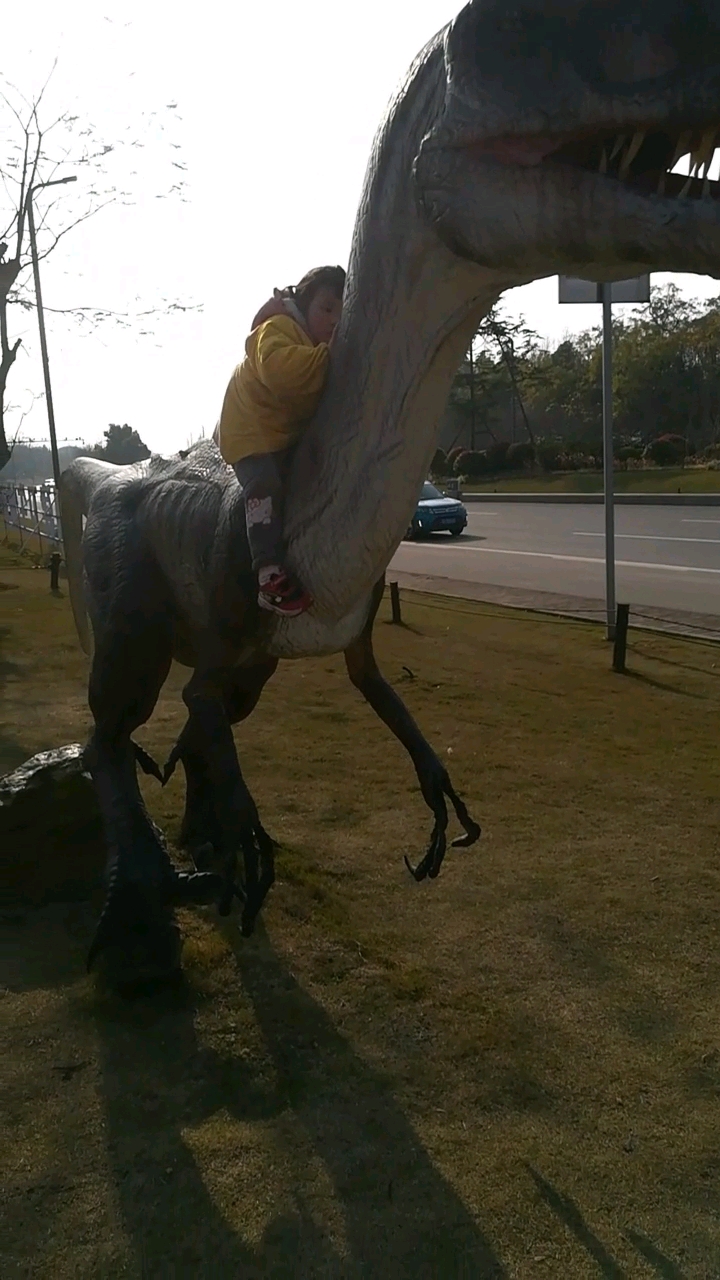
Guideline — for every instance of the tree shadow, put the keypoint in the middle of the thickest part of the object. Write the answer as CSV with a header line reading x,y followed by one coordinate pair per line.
x,y
637,1009
402,1219
571,1217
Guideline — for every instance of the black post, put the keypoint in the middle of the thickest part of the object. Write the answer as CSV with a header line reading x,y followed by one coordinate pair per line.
x,y
55,571
395,603
622,619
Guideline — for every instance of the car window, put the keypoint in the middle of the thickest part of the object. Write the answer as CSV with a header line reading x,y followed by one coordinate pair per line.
x,y
429,491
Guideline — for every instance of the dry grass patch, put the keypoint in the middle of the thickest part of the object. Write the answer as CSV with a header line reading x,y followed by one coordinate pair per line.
x,y
512,1072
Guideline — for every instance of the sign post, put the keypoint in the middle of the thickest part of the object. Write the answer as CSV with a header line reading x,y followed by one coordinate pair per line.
x,y
608,460
572,290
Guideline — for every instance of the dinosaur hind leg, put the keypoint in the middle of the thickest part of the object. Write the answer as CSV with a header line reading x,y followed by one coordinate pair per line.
x,y
221,817
136,934
433,777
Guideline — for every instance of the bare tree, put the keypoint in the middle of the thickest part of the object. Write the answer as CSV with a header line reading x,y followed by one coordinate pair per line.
x,y
515,343
34,151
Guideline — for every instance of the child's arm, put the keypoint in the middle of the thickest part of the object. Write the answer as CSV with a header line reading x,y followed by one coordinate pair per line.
x,y
294,373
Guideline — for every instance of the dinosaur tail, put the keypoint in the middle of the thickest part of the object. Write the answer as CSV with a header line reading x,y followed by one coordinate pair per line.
x,y
72,510
77,485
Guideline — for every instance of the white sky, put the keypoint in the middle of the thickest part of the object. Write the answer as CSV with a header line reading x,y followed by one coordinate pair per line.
x,y
277,105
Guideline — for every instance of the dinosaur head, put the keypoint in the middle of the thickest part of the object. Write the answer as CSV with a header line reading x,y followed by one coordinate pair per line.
x,y
562,121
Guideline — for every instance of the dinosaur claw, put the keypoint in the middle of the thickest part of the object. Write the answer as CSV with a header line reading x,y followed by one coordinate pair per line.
x,y
146,762
247,927
200,888
473,833
138,938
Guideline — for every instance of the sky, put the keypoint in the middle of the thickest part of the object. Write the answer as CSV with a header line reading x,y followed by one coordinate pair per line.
x,y
263,115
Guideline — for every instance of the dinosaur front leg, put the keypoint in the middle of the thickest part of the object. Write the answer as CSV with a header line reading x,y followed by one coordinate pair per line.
x,y
434,780
200,832
221,806
136,934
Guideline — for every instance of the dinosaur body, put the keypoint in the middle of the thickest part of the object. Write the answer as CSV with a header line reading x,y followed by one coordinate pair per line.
x,y
523,142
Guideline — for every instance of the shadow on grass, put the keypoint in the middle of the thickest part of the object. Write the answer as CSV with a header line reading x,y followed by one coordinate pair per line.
x,y
640,1013
401,1217
609,1268
157,1079
642,678
12,751
673,662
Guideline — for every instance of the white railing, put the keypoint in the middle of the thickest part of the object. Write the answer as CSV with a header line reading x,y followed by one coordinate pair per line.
x,y
29,512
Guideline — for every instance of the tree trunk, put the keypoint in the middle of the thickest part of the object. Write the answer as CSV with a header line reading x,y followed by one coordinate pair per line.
x,y
8,275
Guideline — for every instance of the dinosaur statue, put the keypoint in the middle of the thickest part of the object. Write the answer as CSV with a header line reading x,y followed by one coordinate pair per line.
x,y
527,140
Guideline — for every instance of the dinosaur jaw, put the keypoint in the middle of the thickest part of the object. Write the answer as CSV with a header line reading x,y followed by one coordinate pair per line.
x,y
561,123
601,204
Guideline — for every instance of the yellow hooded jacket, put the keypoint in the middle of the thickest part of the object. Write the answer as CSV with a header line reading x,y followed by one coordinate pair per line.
x,y
273,392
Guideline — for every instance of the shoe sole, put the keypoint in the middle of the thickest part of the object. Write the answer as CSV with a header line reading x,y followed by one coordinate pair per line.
x,y
282,613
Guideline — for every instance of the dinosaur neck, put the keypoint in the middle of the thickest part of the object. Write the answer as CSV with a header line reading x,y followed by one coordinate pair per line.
x,y
410,311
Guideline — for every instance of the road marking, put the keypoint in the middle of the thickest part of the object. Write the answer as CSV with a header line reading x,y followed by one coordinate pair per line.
x,y
645,537
548,555
698,520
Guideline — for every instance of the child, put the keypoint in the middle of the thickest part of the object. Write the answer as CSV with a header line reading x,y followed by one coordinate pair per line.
x,y
269,399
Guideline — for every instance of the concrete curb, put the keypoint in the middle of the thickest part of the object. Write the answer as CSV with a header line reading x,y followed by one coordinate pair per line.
x,y
674,622
621,499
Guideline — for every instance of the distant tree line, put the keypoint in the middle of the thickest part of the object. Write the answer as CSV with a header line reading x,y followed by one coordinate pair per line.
x,y
666,388
33,463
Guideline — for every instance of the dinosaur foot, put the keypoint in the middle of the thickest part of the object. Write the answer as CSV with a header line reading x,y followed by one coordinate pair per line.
x,y
435,791
259,869
137,941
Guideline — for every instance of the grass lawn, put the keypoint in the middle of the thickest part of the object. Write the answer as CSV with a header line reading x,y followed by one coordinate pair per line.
x,y
511,1072
659,480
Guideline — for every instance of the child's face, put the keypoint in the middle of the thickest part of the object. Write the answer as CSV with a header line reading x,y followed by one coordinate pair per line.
x,y
323,314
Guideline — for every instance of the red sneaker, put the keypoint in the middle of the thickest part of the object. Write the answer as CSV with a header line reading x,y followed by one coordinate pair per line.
x,y
280,594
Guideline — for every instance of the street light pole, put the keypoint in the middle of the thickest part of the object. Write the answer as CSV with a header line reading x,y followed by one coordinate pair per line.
x,y
41,321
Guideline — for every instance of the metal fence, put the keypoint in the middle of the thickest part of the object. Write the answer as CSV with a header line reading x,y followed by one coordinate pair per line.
x,y
29,514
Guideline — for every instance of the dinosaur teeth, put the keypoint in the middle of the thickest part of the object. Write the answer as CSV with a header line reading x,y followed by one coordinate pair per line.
x,y
635,144
618,146
683,146
703,155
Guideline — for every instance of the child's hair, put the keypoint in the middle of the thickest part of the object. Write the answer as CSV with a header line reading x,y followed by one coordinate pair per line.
x,y
303,293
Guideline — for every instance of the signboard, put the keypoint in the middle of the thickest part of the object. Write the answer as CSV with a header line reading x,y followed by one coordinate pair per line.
x,y
635,290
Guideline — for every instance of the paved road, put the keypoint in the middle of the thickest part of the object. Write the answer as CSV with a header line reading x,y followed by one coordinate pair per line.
x,y
667,557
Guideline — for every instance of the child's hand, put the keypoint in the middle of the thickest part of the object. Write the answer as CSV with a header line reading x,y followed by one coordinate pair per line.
x,y
273,307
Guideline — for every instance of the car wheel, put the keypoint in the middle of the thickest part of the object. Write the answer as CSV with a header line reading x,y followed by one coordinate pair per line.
x,y
456,533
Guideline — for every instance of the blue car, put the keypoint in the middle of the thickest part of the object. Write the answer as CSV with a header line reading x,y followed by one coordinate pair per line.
x,y
435,513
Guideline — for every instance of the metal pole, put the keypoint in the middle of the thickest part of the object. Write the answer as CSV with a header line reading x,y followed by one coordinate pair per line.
x,y
43,344
58,182
608,459
472,398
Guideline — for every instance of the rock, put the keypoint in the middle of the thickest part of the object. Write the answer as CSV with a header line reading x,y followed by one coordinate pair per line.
x,y
51,839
